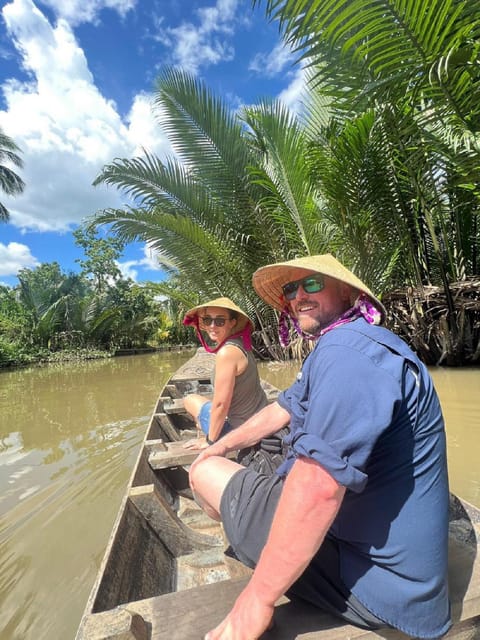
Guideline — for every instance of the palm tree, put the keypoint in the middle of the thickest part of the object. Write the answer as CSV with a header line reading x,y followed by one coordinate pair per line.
x,y
236,196
414,66
403,73
10,182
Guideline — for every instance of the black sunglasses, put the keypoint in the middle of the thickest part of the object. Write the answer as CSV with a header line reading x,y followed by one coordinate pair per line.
x,y
310,284
218,321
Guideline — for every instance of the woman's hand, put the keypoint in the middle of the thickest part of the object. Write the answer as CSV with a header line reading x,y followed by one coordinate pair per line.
x,y
196,443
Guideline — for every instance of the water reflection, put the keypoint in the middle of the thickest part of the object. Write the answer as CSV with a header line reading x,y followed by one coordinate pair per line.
x,y
69,437
460,398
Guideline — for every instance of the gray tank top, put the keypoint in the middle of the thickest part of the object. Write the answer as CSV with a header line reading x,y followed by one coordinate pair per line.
x,y
248,395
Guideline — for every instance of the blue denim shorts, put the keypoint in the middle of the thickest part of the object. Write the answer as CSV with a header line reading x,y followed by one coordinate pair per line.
x,y
204,420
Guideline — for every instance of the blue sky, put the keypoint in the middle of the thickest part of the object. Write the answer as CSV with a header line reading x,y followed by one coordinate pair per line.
x,y
76,80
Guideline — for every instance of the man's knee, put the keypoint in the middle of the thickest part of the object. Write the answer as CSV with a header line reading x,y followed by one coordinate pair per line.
x,y
209,477
198,471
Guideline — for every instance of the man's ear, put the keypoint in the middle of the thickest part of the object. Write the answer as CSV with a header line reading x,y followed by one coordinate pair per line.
x,y
347,293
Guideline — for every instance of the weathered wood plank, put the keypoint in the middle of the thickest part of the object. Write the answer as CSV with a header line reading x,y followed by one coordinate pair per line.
x,y
118,624
173,390
175,456
175,535
188,615
173,405
200,367
166,427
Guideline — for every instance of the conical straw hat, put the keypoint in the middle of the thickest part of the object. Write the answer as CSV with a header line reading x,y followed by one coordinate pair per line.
x,y
268,280
225,303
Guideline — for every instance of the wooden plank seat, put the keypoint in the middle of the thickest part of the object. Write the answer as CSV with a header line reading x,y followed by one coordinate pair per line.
x,y
164,455
188,615
173,405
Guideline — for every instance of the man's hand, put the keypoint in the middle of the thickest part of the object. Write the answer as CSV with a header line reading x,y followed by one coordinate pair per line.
x,y
248,619
216,449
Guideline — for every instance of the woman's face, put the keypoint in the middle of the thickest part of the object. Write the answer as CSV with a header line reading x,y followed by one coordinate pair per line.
x,y
211,317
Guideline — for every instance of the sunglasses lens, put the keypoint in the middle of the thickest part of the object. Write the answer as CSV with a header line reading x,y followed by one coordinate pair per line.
x,y
290,290
310,284
207,321
313,284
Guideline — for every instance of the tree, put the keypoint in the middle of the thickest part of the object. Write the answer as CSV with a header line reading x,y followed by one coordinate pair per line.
x,y
411,69
101,264
401,80
10,182
236,196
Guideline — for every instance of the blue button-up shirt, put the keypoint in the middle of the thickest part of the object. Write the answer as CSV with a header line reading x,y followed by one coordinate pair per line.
x,y
364,407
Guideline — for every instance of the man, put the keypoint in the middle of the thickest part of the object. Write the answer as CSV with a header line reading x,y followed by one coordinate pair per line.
x,y
355,521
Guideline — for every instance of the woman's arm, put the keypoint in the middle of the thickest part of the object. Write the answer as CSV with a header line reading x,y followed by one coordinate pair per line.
x,y
230,362
262,424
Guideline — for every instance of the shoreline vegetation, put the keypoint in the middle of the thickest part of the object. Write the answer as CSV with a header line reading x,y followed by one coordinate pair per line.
x,y
79,355
440,336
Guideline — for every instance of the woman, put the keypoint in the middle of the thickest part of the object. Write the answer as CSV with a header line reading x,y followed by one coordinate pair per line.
x,y
237,392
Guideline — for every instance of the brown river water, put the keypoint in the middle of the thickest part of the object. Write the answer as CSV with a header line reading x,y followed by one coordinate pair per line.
x,y
69,437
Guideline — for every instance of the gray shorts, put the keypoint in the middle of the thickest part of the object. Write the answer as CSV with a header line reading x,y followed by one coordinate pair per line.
x,y
247,508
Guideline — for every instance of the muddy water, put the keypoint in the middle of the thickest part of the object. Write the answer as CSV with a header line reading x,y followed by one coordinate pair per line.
x,y
69,437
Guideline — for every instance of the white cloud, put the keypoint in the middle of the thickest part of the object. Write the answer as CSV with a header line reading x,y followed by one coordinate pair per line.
x,y
273,63
149,262
144,131
204,42
127,269
66,129
78,11
15,256
293,95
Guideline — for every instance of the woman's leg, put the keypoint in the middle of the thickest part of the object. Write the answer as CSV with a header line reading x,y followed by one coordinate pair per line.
x,y
193,404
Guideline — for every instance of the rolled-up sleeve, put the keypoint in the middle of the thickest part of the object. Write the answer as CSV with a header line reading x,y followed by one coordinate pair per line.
x,y
340,405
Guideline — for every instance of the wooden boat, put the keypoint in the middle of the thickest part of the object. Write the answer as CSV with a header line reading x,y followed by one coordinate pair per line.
x,y
165,574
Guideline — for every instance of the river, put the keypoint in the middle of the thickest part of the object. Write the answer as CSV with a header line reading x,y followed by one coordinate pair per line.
x,y
69,437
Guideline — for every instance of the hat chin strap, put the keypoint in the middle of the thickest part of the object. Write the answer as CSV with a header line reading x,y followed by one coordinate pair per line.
x,y
245,334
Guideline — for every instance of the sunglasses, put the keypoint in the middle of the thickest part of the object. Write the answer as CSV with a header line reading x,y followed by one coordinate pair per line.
x,y
310,284
218,321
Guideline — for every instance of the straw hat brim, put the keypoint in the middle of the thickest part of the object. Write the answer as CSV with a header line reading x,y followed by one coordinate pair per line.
x,y
224,303
268,281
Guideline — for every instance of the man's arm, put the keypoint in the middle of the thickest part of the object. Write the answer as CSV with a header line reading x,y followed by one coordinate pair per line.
x,y
262,424
310,500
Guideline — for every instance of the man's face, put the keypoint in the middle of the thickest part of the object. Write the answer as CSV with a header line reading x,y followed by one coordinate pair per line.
x,y
315,311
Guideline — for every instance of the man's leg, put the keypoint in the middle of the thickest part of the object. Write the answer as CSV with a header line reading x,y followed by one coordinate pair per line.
x,y
209,479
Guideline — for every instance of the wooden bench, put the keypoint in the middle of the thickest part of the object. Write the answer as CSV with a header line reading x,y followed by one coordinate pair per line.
x,y
165,455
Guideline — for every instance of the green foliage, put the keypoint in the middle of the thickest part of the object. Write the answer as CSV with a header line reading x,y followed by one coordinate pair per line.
x,y
10,182
381,169
102,255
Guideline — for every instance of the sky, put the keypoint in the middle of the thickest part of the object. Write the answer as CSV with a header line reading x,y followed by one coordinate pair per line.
x,y
76,83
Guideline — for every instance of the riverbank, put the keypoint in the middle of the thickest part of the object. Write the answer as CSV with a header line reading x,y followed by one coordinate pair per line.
x,y
80,355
